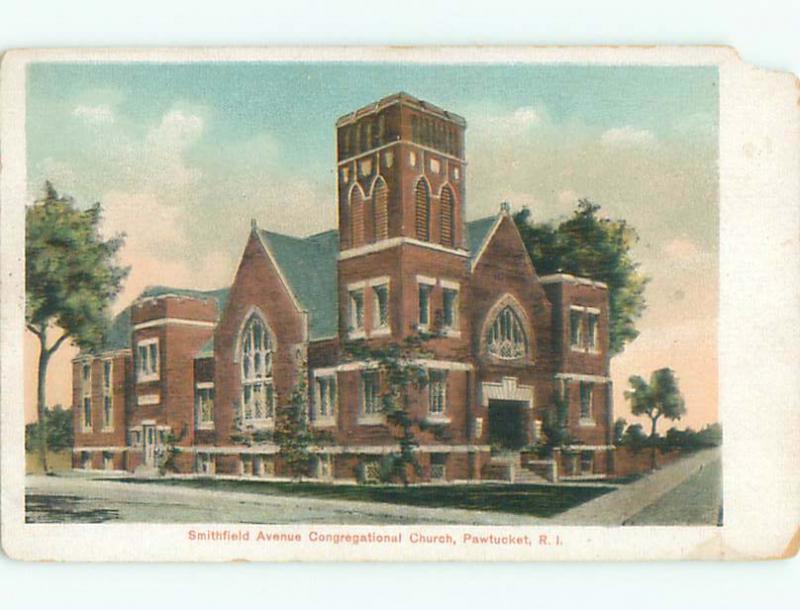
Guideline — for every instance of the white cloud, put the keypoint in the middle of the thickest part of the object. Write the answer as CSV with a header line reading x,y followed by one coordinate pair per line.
x,y
520,119
683,250
627,135
101,113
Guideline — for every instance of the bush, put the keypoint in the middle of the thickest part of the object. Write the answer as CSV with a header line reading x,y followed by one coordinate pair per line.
x,y
59,430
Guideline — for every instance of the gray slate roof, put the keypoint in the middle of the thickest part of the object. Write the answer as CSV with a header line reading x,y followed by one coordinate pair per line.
x,y
119,333
309,266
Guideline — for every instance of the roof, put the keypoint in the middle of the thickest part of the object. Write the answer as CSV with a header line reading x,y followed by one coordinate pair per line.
x,y
401,97
309,267
119,333
207,351
478,231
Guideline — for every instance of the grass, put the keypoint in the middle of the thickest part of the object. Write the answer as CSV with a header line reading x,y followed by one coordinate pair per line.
x,y
536,500
56,460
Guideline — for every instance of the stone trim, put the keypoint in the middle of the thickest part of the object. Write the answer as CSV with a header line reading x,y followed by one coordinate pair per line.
x,y
506,389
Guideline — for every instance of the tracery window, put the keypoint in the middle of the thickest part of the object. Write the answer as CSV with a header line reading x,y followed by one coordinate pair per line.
x,y
258,393
506,336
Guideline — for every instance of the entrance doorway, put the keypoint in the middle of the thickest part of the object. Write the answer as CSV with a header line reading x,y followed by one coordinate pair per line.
x,y
149,444
507,424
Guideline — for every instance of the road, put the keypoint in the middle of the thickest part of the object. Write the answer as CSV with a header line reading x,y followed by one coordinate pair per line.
x,y
685,492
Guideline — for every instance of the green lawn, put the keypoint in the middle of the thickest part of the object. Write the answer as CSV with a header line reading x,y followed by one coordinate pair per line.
x,y
537,500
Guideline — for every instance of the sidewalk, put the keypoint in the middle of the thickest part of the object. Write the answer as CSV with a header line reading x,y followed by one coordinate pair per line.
x,y
628,501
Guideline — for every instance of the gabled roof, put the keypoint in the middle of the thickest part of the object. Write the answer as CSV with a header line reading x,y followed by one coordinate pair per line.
x,y
479,232
309,267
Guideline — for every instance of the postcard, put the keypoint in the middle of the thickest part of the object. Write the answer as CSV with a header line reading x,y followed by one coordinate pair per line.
x,y
399,304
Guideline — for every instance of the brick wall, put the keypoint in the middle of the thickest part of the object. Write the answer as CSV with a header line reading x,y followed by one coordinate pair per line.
x,y
257,285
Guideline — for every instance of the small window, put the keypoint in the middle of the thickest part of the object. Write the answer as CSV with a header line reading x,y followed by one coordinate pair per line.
x,y
437,392
357,310
147,360
108,399
381,314
587,462
204,407
450,303
586,400
424,317
592,324
438,466
326,397
87,413
576,328
371,402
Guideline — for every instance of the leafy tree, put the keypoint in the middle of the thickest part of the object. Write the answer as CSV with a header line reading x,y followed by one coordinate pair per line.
x,y
59,430
634,437
619,430
600,248
71,277
659,398
554,424
293,434
397,368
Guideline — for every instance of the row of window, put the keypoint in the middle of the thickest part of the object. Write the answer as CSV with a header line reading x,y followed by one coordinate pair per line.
x,y
107,397
370,223
422,214
584,325
370,133
325,399
379,323
364,135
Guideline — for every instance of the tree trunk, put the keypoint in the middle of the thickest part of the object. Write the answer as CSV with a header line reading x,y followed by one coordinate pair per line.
x,y
41,403
653,463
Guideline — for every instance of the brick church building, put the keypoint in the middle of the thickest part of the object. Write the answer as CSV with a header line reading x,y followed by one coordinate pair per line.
x,y
207,371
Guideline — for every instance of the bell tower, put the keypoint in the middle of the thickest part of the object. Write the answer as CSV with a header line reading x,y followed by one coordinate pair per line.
x,y
402,240
401,174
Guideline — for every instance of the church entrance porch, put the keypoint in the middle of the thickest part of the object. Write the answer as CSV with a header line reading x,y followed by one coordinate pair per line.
x,y
508,425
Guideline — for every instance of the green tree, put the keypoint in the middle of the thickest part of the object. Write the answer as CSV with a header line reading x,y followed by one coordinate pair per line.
x,y
619,430
71,277
58,427
293,434
659,398
591,246
400,374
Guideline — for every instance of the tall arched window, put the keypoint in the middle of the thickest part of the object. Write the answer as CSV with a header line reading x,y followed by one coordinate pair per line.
x,y
258,392
380,199
356,216
447,220
422,199
506,337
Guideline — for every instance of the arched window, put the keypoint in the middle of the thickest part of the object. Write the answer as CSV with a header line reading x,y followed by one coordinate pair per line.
x,y
506,336
447,220
356,216
258,392
422,199
380,199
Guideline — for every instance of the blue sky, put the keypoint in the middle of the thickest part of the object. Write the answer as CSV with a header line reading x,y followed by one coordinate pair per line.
x,y
183,155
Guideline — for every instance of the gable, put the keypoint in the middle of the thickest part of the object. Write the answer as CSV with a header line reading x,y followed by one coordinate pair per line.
x,y
308,266
504,242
